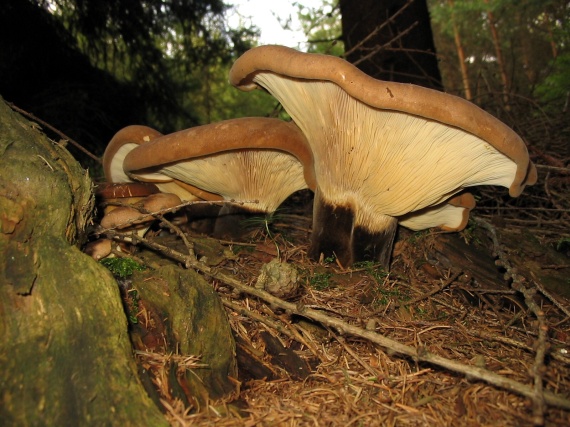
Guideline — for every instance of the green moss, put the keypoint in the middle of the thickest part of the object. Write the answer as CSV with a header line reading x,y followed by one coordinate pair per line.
x,y
320,281
374,270
122,267
563,244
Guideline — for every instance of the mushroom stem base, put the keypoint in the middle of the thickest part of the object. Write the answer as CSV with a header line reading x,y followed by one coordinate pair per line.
x,y
336,234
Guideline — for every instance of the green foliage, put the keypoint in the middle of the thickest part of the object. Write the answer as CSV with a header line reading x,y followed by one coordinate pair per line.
x,y
175,52
563,244
555,89
322,27
122,267
133,306
468,233
418,235
320,281
374,270
531,35
385,295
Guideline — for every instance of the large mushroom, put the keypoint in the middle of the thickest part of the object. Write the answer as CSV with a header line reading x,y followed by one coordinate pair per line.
x,y
382,150
258,162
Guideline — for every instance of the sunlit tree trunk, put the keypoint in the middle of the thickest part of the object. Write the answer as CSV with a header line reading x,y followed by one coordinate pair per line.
x,y
525,49
553,45
461,56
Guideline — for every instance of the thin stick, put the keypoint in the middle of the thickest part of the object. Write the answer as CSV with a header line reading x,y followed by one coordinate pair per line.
x,y
60,133
538,396
420,355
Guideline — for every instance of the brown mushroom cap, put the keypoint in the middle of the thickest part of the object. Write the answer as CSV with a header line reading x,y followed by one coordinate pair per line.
x,y
160,201
126,140
120,145
99,249
124,217
241,159
381,150
114,190
127,216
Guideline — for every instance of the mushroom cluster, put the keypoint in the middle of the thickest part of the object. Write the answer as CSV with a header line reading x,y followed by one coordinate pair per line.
x,y
256,162
375,153
383,152
128,206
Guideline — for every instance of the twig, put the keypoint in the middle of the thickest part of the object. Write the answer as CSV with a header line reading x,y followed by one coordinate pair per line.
x,y
184,204
55,130
257,317
297,336
553,168
551,297
509,341
187,260
420,355
381,47
173,227
378,28
440,288
538,397
365,365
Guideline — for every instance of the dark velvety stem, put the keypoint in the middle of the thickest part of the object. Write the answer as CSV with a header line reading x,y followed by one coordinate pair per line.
x,y
332,231
334,234
375,246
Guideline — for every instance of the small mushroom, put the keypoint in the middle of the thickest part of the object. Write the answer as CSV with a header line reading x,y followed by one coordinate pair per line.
x,y
451,215
254,161
99,249
381,150
111,195
123,217
160,201
139,216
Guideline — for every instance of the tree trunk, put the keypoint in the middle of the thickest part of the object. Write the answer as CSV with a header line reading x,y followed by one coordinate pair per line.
x,y
64,349
391,40
499,53
461,56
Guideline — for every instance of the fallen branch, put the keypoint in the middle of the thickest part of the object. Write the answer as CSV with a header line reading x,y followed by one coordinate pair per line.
x,y
518,283
57,131
420,355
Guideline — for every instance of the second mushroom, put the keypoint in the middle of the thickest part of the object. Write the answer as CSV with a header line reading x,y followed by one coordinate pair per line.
x,y
255,162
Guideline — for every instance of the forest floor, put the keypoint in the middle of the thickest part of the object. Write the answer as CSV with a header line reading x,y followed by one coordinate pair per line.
x,y
467,329
444,296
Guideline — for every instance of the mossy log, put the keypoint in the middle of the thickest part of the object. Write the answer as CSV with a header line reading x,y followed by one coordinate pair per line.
x,y
197,326
64,349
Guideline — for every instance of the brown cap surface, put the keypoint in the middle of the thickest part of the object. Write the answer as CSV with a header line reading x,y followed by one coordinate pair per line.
x,y
242,159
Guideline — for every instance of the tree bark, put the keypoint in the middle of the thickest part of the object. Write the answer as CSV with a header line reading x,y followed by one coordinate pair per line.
x,y
461,56
499,53
64,350
391,40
